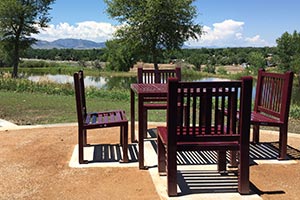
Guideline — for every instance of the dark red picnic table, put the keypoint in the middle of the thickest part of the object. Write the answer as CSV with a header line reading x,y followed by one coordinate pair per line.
x,y
143,92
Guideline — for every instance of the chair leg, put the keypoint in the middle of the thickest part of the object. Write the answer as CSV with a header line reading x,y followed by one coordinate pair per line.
x,y
84,138
145,122
233,159
161,152
124,136
121,135
171,172
255,134
282,142
81,144
243,174
221,161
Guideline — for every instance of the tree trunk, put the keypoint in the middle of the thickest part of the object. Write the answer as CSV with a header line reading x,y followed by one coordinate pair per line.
x,y
155,62
16,58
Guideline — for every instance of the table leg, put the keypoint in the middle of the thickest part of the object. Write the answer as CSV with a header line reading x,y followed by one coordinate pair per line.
x,y
141,132
132,117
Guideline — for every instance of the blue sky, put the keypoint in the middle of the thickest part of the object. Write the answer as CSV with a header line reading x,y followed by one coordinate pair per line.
x,y
227,23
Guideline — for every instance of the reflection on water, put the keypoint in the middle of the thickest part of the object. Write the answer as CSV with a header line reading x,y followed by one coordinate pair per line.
x,y
124,82
98,82
212,79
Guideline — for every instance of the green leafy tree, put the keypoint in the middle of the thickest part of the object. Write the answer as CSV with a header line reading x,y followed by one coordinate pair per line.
x,y
197,60
155,25
256,61
119,56
288,48
18,20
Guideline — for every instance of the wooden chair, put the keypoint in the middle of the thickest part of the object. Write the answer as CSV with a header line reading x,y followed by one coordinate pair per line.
x,y
157,76
149,76
95,120
207,128
272,104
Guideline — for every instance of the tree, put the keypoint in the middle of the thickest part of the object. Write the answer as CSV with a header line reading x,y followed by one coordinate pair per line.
x,y
288,46
18,20
154,25
286,50
256,61
119,56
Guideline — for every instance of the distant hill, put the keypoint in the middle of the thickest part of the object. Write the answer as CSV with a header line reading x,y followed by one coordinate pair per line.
x,y
68,44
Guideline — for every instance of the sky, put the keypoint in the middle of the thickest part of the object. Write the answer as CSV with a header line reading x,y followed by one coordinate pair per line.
x,y
226,23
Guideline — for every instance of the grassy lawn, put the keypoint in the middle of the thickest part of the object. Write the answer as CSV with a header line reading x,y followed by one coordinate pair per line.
x,y
36,108
30,105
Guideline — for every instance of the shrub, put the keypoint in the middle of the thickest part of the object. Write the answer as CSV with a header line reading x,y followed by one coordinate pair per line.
x,y
295,111
48,87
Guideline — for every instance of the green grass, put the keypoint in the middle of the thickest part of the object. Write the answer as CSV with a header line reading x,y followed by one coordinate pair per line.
x,y
67,70
24,102
35,108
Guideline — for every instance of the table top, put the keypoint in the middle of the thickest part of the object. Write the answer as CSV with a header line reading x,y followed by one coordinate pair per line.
x,y
150,89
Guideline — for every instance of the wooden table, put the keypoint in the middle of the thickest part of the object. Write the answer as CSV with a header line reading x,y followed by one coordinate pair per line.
x,y
143,92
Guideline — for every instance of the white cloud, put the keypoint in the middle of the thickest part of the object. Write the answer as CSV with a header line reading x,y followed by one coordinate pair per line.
x,y
90,30
228,33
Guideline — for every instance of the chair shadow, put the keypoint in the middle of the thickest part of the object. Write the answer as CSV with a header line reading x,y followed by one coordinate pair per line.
x,y
260,151
206,181
270,151
113,153
209,181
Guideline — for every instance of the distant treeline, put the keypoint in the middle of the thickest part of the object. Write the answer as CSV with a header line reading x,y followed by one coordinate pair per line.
x,y
64,54
197,57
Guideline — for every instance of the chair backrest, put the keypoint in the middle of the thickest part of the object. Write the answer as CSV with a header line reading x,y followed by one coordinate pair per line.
x,y
273,94
80,97
157,76
205,104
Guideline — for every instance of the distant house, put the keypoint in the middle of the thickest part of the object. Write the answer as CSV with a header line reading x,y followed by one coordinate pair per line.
x,y
244,65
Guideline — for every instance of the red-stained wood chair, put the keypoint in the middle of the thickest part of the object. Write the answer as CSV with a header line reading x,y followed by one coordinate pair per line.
x,y
94,120
149,76
272,105
207,126
157,76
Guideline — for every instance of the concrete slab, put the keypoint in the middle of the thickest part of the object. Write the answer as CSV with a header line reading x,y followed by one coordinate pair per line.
x,y
104,156
6,124
193,182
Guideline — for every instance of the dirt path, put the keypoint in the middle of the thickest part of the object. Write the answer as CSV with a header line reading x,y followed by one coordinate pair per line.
x,y
34,165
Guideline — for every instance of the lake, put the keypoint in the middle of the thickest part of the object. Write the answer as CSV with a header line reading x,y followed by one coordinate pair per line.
x,y
123,82
98,82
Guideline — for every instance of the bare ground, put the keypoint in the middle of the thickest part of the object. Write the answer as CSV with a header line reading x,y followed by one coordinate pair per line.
x,y
34,165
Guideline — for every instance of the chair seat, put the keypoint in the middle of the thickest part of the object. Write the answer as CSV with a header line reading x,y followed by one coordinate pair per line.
x,y
105,119
258,118
214,141
261,119
155,106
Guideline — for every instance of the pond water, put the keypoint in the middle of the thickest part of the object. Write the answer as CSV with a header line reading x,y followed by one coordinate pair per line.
x,y
124,82
98,82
